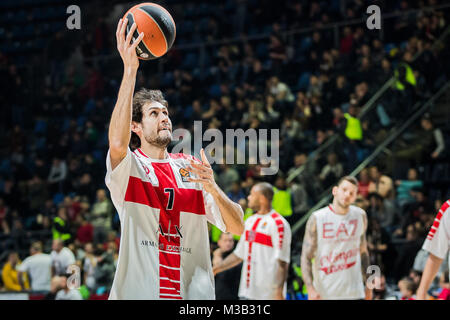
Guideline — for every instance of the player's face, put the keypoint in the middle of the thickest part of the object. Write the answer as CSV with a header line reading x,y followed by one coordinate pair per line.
x,y
156,125
345,193
253,199
226,242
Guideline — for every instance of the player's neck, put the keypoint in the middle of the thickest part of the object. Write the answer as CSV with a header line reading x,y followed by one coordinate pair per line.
x,y
264,210
338,209
155,152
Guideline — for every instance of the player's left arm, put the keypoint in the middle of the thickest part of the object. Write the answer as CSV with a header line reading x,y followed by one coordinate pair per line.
x,y
365,260
232,213
280,278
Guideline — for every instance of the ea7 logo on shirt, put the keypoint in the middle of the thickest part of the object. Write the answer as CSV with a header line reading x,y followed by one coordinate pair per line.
x,y
184,175
344,230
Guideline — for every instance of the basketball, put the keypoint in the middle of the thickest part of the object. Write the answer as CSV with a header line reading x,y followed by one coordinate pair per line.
x,y
158,27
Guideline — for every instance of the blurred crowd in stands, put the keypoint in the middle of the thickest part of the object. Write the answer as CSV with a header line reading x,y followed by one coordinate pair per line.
x,y
54,207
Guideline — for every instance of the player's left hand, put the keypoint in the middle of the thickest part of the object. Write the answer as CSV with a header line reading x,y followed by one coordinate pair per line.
x,y
203,172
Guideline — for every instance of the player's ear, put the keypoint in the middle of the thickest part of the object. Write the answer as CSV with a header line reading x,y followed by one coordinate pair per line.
x,y
334,190
136,127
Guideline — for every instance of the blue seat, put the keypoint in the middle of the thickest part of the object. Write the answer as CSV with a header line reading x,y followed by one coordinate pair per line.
x,y
215,91
58,198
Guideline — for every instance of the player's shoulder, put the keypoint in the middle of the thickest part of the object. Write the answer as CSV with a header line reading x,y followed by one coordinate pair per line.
x,y
275,216
182,156
445,209
358,210
321,212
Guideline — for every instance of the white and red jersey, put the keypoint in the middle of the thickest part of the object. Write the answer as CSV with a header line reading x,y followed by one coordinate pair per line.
x,y
266,239
164,248
438,238
337,264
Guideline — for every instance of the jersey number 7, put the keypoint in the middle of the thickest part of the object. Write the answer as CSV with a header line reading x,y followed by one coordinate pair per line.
x,y
171,198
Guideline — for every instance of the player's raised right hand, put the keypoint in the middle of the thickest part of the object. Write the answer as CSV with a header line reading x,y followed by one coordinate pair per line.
x,y
126,48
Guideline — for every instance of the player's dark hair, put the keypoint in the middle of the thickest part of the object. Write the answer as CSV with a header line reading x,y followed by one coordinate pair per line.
x,y
266,189
140,98
350,179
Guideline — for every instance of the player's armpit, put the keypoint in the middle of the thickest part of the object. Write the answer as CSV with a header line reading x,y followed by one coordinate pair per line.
x,y
309,248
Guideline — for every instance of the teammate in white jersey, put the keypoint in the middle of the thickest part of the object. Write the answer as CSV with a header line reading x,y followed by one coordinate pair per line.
x,y
437,244
335,238
163,208
264,247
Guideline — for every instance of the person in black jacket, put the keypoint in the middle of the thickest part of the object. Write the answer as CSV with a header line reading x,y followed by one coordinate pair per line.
x,y
227,282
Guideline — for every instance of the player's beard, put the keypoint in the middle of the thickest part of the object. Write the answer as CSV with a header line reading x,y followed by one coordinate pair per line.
x,y
343,205
159,141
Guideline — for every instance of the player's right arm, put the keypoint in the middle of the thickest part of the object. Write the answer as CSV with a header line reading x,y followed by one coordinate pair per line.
x,y
229,262
309,248
429,273
119,133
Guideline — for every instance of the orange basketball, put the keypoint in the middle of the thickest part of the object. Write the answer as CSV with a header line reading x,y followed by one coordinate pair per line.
x,y
158,27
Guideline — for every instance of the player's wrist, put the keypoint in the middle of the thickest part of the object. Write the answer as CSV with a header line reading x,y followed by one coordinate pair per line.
x,y
130,70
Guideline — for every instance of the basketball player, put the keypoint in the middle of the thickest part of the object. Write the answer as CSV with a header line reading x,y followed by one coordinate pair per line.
x,y
163,200
265,249
335,238
437,244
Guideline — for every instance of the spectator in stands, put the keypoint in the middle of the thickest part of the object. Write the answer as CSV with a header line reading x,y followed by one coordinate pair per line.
x,y
236,192
377,243
4,216
405,257
101,216
57,175
407,288
37,193
38,267
332,171
61,227
10,277
62,257
227,176
105,268
280,90
416,276
445,287
411,213
277,54
85,232
382,291
66,293
56,284
404,187
381,211
364,183
282,198
227,282
89,263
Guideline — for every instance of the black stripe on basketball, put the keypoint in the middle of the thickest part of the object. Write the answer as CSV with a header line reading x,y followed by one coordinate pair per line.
x,y
166,25
141,50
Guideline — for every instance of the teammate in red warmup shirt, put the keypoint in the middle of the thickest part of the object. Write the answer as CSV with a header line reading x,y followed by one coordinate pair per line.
x,y
264,249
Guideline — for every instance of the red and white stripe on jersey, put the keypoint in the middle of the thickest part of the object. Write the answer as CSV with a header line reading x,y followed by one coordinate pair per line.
x,y
142,192
251,236
280,226
437,220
